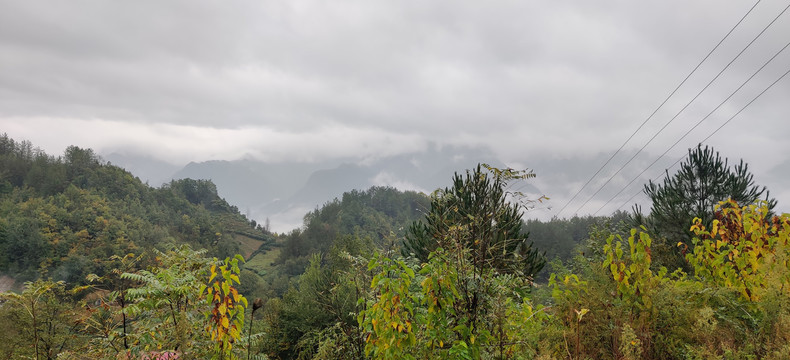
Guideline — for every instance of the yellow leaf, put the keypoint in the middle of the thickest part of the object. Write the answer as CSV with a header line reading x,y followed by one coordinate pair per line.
x,y
213,273
225,322
223,309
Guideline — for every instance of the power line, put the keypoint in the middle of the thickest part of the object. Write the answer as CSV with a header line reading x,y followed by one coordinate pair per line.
x,y
682,109
659,107
703,140
698,124
663,173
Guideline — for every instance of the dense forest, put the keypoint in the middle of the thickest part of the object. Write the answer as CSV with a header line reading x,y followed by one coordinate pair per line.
x,y
100,265
65,217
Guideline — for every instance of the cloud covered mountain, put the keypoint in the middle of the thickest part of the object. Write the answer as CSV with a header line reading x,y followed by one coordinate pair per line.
x,y
284,192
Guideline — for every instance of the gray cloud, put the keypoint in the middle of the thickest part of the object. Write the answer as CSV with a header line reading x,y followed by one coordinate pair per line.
x,y
310,80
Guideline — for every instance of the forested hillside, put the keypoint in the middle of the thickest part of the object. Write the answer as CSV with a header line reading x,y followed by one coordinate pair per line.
x,y
64,217
563,239
376,218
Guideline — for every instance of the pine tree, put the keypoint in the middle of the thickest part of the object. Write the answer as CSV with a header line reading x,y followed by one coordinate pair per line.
x,y
703,180
476,205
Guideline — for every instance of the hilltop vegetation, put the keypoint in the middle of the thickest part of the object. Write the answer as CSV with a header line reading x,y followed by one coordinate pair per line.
x,y
376,218
65,217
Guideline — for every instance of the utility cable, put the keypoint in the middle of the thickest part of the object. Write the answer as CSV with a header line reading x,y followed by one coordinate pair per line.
x,y
682,109
703,140
659,107
663,173
696,125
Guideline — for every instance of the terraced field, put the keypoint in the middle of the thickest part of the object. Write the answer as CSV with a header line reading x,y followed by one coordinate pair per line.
x,y
262,261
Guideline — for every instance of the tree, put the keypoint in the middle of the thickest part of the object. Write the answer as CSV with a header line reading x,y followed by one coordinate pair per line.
x,y
48,318
79,162
317,318
108,322
477,203
167,305
741,247
226,318
471,287
703,180
448,309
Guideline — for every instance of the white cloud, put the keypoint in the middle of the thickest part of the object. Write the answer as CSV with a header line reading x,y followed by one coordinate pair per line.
x,y
184,143
387,179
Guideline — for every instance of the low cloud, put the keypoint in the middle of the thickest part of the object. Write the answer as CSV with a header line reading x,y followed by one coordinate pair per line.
x,y
387,179
180,144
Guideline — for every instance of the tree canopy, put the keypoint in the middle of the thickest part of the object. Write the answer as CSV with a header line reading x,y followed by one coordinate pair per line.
x,y
476,208
703,180
65,217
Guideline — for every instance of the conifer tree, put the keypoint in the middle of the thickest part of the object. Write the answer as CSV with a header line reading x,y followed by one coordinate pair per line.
x,y
703,180
477,204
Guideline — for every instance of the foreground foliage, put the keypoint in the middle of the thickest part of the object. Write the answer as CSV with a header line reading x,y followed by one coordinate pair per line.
x,y
621,307
352,304
165,313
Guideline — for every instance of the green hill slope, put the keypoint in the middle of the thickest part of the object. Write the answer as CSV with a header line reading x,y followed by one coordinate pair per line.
x,y
64,217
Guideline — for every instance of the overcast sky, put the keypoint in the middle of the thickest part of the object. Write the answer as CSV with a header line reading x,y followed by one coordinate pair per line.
x,y
312,80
